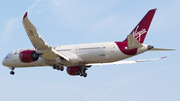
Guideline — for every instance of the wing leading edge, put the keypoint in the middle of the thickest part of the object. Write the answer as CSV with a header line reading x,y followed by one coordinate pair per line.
x,y
39,44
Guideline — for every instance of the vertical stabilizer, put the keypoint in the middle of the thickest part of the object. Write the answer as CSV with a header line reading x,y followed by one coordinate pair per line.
x,y
141,29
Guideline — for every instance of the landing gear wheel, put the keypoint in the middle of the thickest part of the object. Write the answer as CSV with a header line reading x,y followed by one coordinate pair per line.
x,y
12,72
85,75
78,73
61,68
58,68
82,71
54,67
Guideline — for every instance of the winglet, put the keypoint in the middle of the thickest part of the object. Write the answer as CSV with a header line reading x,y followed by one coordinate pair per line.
x,y
163,57
25,15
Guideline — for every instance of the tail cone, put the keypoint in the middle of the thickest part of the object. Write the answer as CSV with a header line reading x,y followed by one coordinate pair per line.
x,y
150,47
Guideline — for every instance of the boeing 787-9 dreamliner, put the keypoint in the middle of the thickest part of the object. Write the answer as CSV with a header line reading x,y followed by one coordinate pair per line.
x,y
77,58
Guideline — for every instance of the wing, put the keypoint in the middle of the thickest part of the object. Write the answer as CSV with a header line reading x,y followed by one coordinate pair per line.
x,y
124,62
39,44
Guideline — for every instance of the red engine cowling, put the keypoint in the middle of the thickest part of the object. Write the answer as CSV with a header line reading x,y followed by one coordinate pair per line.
x,y
73,70
27,56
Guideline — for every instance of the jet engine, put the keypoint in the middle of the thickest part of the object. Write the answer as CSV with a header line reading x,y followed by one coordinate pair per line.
x,y
73,70
28,56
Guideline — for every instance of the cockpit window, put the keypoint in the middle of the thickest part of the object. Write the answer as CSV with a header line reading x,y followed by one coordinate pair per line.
x,y
8,56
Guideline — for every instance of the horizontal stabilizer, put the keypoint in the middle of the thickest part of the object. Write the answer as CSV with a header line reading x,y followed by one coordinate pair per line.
x,y
161,49
133,42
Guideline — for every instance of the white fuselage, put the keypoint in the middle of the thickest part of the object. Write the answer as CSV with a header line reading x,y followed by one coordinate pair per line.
x,y
78,54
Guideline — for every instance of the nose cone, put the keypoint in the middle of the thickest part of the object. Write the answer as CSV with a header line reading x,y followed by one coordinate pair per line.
x,y
5,62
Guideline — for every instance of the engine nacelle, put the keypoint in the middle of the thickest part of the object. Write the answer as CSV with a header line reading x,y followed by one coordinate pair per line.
x,y
28,56
73,70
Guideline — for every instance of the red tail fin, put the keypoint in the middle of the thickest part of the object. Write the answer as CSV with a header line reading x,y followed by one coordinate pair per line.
x,y
141,29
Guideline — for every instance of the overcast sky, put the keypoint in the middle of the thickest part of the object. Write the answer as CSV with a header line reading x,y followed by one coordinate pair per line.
x,y
64,22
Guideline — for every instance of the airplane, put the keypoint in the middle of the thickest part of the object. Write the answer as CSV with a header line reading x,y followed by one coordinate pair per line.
x,y
78,58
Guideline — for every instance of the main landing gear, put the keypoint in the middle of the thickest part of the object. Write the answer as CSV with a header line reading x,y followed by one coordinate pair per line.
x,y
58,67
82,71
12,72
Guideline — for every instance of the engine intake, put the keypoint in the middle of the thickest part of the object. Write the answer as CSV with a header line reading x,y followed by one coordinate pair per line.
x,y
28,56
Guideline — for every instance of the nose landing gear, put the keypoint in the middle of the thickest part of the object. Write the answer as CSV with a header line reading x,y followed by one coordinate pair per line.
x,y
12,72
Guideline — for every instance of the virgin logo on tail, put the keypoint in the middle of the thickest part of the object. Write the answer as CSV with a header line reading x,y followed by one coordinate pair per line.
x,y
137,34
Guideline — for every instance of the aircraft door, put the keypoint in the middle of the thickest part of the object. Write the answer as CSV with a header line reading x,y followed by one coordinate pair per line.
x,y
112,53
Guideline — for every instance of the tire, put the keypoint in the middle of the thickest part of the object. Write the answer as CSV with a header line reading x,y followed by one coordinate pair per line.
x,y
54,67
61,68
85,75
58,68
12,72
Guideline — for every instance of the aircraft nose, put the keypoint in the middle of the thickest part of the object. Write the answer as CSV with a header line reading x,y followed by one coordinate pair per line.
x,y
5,62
